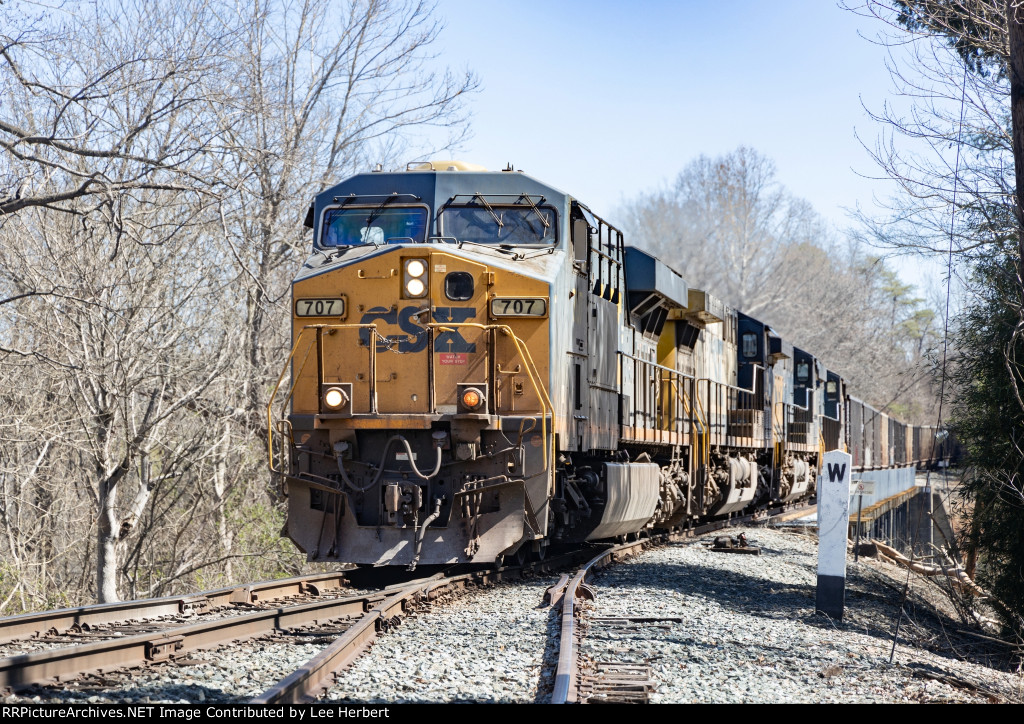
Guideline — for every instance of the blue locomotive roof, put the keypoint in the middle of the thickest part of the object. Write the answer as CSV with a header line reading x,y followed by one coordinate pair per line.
x,y
436,188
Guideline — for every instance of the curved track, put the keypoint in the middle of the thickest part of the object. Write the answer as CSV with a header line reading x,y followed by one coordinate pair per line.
x,y
568,676
84,618
362,617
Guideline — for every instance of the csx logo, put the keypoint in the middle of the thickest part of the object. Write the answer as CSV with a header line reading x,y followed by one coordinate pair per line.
x,y
415,337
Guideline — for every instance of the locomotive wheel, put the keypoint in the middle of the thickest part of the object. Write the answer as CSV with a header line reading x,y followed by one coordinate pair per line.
x,y
521,556
540,554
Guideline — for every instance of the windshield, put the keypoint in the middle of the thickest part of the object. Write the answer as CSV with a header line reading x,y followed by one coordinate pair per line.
x,y
500,224
373,225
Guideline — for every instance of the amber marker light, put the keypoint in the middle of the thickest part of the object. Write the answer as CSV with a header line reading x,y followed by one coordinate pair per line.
x,y
472,398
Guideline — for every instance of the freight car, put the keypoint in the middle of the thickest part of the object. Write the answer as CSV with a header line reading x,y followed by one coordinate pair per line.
x,y
482,367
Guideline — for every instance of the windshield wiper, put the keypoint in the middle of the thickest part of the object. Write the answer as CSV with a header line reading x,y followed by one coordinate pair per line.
x,y
543,220
376,212
490,210
497,247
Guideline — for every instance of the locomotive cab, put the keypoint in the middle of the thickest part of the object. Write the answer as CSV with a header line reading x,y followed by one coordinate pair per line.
x,y
833,419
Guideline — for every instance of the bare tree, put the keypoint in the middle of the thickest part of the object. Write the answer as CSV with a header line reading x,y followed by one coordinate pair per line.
x,y
728,226
131,358
159,160
102,135
100,99
946,140
728,222
321,89
955,157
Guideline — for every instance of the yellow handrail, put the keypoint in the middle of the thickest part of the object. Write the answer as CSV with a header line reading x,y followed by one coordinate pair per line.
x,y
291,390
547,406
706,454
703,439
531,371
273,394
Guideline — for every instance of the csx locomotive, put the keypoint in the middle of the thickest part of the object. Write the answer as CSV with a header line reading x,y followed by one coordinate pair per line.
x,y
482,367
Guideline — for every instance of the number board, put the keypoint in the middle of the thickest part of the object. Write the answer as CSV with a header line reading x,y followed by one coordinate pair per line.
x,y
319,307
519,307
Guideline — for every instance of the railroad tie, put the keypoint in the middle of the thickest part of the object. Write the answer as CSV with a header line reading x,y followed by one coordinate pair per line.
x,y
616,682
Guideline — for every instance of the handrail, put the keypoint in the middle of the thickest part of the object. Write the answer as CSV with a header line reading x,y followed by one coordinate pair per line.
x,y
706,455
808,393
611,259
547,406
291,390
531,371
692,413
751,391
273,394
704,441
797,407
677,373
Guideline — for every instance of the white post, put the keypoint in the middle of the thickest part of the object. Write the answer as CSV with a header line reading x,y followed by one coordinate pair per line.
x,y
833,524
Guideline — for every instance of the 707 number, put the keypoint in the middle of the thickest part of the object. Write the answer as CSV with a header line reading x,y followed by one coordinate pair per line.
x,y
319,307
518,307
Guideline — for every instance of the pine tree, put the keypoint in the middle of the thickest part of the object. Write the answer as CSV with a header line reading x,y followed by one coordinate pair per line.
x,y
988,419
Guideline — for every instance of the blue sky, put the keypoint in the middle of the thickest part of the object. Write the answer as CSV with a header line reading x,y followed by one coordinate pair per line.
x,y
606,100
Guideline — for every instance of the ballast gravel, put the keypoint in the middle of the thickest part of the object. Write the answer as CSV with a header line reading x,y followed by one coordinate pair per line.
x,y
705,627
750,633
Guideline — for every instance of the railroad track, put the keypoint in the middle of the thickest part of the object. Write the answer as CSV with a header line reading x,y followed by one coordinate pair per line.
x,y
317,609
138,649
619,682
354,620
581,680
64,625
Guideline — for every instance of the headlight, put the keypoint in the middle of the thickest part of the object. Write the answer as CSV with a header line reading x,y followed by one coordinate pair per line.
x,y
415,278
416,268
335,398
415,288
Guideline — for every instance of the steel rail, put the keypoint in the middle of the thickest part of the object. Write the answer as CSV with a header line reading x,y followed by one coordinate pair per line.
x,y
312,678
298,687
55,665
30,625
302,685
567,671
